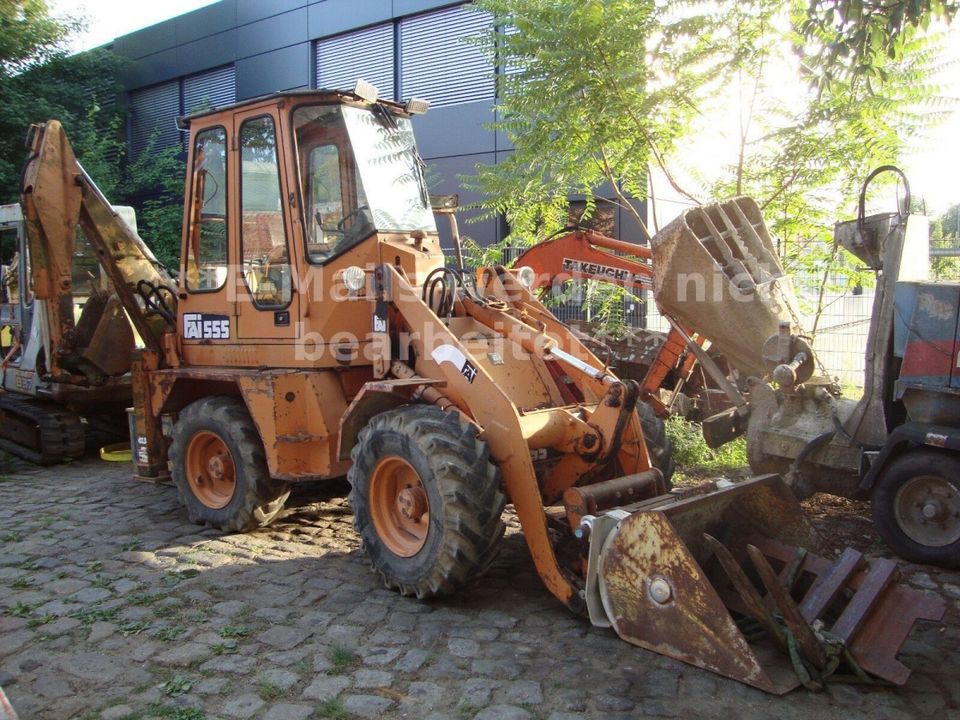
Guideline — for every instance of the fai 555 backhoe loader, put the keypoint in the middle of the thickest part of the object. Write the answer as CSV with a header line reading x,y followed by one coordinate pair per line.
x,y
317,333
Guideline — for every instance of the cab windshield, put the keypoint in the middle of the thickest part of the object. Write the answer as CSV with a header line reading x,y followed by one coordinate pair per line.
x,y
359,173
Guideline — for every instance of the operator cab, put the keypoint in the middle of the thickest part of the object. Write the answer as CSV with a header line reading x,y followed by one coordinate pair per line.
x,y
283,192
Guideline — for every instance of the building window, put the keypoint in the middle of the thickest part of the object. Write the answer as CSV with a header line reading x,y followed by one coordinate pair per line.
x,y
154,110
367,54
153,118
435,62
210,89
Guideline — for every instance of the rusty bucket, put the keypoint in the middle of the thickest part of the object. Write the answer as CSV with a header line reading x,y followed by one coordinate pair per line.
x,y
723,577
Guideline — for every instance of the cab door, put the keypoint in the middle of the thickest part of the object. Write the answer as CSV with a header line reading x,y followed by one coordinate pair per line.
x,y
267,304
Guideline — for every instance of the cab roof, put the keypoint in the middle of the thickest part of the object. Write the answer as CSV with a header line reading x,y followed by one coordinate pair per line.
x,y
324,95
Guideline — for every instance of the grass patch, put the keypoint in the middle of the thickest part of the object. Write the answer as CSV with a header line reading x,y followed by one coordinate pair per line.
x,y
233,632
176,686
93,566
690,450
342,659
174,577
133,627
39,620
88,616
333,709
169,610
268,691
225,648
11,536
20,610
171,633
22,582
168,712
145,598
134,544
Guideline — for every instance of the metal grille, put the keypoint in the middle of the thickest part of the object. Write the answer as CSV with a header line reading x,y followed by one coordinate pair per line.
x,y
153,114
367,54
436,63
208,90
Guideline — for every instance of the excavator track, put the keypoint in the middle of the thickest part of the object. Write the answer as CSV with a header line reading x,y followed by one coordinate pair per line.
x,y
40,432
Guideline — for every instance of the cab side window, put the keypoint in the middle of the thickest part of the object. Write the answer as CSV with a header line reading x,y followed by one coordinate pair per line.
x,y
266,261
206,256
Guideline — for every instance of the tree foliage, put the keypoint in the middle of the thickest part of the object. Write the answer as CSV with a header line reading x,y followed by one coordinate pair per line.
x,y
29,36
854,39
593,93
805,162
582,104
38,81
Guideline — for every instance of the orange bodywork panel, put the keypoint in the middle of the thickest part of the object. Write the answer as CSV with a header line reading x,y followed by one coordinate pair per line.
x,y
588,255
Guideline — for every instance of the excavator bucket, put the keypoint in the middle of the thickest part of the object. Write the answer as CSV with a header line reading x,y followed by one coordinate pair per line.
x,y
715,576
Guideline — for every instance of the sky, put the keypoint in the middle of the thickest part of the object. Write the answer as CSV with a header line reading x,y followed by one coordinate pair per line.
x,y
931,166
109,19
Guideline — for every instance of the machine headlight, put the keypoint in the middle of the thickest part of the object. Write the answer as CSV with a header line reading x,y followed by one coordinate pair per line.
x,y
354,278
526,276
367,91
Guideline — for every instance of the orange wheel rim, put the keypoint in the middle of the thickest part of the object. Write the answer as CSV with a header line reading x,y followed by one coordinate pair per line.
x,y
399,506
210,470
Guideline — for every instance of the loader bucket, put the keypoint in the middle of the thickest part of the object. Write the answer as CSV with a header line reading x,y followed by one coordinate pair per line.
x,y
716,271
718,578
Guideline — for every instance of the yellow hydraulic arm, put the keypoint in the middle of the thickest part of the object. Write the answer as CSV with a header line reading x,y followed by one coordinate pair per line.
x,y
58,196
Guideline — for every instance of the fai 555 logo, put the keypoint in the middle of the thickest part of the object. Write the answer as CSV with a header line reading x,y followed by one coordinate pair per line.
x,y
200,326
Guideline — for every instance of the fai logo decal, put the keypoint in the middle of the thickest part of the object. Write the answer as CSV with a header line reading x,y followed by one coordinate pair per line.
x,y
201,326
450,354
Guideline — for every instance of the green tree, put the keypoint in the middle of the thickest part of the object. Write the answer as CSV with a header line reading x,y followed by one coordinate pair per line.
x,y
853,38
154,182
593,93
578,100
29,35
39,81
805,163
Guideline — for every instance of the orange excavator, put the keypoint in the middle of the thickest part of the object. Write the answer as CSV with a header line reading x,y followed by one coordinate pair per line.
x,y
671,379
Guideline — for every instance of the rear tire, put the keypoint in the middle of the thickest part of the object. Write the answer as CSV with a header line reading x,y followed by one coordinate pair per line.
x,y
426,500
659,446
916,507
220,469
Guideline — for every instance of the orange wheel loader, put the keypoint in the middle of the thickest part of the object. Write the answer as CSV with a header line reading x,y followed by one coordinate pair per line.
x,y
317,333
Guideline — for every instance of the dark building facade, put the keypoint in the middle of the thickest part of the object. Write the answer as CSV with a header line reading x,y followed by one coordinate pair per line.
x,y
238,49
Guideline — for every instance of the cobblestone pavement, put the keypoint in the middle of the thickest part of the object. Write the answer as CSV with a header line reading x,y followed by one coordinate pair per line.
x,y
113,606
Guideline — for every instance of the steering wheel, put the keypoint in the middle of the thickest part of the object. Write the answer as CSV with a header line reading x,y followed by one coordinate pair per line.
x,y
350,215
155,302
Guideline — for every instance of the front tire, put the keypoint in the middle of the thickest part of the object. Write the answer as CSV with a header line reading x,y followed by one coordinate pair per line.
x,y
916,507
426,500
220,469
659,446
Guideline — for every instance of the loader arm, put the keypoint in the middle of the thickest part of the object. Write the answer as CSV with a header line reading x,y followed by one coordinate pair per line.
x,y
589,255
57,197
